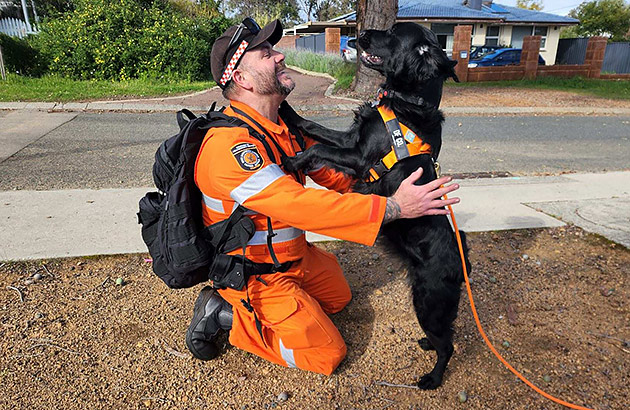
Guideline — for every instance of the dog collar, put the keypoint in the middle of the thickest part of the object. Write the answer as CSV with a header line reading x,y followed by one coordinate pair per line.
x,y
405,143
383,93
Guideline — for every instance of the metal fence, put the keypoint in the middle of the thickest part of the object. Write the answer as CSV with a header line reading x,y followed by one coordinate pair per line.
x,y
616,58
315,43
17,28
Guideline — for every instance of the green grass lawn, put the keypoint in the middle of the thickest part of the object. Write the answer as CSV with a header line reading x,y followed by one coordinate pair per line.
x,y
613,89
57,89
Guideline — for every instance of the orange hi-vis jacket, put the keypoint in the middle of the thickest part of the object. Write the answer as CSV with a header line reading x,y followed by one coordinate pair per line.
x,y
233,168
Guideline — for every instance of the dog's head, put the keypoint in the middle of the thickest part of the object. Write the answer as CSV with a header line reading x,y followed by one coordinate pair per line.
x,y
406,53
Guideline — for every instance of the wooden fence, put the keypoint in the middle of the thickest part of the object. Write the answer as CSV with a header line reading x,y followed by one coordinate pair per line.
x,y
17,28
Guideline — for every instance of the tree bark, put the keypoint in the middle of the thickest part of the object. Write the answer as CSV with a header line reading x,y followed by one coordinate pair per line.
x,y
377,15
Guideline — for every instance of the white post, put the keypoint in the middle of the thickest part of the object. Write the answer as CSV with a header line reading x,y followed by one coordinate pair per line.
x,y
35,11
25,10
3,74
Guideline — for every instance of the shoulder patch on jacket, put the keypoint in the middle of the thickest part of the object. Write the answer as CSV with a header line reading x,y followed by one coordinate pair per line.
x,y
247,156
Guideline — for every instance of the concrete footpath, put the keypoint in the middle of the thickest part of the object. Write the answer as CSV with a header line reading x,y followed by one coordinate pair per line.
x,y
49,224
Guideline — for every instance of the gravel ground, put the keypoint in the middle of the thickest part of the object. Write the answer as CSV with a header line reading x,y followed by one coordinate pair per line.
x,y
558,297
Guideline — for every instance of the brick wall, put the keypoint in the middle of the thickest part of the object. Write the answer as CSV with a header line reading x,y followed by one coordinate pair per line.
x,y
569,70
529,56
461,51
529,68
595,50
287,41
514,72
333,40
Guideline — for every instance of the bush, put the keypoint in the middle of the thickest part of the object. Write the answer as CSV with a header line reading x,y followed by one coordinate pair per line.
x,y
20,57
123,39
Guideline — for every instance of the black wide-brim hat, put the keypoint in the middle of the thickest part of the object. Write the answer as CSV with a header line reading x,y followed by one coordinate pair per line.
x,y
227,45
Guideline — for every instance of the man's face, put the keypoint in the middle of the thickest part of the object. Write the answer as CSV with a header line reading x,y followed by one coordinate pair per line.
x,y
267,70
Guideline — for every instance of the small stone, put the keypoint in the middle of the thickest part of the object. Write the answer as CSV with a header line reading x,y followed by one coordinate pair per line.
x,y
538,263
284,396
390,269
28,282
505,344
378,292
492,279
147,403
462,396
39,315
375,256
342,251
525,256
120,281
37,276
547,378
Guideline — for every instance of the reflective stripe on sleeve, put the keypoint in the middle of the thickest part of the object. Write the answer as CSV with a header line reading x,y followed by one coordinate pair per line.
x,y
282,235
256,183
215,204
287,355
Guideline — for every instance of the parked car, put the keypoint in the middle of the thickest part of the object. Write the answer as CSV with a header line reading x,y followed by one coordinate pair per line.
x,y
476,52
349,51
502,57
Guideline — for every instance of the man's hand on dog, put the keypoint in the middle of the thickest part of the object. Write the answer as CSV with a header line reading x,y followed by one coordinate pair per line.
x,y
413,201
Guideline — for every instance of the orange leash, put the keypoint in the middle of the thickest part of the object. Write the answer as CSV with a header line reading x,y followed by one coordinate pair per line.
x,y
483,334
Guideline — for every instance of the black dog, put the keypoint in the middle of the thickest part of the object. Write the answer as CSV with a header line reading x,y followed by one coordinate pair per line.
x,y
415,67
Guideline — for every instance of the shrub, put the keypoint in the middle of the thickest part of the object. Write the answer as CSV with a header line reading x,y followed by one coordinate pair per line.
x,y
123,39
20,57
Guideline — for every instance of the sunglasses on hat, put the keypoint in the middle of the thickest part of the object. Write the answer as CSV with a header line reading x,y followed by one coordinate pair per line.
x,y
249,24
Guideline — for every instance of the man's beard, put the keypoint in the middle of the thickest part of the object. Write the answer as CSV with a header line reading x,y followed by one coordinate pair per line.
x,y
269,84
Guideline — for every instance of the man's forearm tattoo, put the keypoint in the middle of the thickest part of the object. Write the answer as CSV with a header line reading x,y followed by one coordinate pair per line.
x,y
392,210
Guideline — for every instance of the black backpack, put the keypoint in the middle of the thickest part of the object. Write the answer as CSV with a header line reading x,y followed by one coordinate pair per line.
x,y
181,246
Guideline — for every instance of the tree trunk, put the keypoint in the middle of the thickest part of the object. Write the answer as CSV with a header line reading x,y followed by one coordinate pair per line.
x,y
378,15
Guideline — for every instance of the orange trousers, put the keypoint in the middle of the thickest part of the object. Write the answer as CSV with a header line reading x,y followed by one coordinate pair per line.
x,y
293,308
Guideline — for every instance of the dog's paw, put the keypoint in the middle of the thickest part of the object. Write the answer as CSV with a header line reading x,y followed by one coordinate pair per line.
x,y
290,164
425,344
429,382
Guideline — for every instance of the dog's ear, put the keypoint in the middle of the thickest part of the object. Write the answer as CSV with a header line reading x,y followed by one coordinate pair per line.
x,y
451,71
426,61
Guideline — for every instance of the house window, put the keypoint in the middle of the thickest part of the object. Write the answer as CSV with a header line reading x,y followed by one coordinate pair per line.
x,y
541,31
492,36
445,35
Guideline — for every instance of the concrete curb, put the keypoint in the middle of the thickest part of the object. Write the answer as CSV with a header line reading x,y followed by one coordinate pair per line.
x,y
349,105
104,106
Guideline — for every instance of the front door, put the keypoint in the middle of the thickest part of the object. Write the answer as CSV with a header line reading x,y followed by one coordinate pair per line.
x,y
518,33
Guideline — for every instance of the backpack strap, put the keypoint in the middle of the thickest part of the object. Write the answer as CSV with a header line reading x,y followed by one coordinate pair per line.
x,y
278,147
181,121
266,134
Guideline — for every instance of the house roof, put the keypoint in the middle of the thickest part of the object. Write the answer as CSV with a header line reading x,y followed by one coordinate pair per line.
x,y
455,10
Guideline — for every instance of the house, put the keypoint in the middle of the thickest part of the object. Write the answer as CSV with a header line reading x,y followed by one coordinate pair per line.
x,y
493,23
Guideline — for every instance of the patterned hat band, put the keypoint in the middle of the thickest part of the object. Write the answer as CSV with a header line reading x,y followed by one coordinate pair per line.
x,y
229,69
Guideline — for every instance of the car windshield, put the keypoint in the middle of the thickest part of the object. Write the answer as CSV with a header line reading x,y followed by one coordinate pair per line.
x,y
493,54
484,50
352,43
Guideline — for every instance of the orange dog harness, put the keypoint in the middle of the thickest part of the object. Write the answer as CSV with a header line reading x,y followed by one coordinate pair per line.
x,y
405,143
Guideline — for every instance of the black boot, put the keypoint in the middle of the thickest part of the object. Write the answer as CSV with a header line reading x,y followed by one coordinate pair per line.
x,y
210,316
